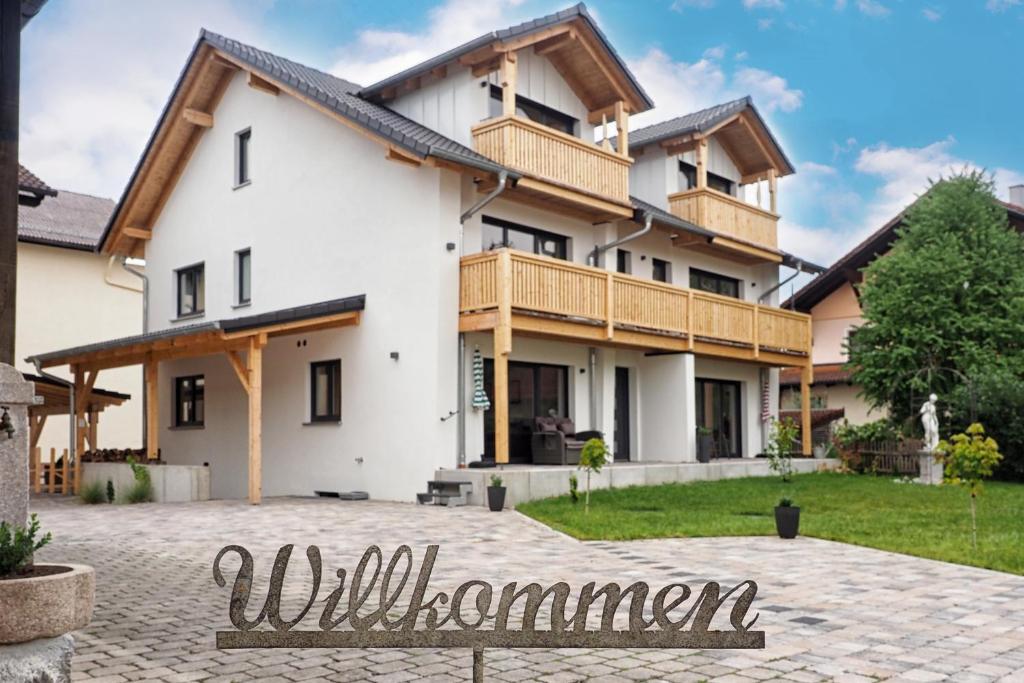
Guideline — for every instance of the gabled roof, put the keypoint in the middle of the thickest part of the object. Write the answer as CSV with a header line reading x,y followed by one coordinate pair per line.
x,y
576,13
30,182
703,121
336,95
71,220
847,268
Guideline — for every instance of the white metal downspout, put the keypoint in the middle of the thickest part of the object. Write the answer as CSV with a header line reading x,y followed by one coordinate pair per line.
x,y
595,256
461,408
763,299
145,329
765,375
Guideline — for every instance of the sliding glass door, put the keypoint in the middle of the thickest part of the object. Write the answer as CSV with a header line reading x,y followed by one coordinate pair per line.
x,y
534,390
718,412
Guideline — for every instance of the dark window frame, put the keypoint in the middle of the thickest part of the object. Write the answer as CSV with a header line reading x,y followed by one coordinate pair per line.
x,y
540,113
666,267
241,296
561,240
243,157
198,307
720,280
715,181
195,386
333,390
623,261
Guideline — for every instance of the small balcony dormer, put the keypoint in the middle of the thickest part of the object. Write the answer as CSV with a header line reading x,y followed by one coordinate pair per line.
x,y
722,167
533,96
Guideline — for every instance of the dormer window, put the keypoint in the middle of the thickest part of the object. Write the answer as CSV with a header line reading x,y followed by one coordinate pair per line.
x,y
535,111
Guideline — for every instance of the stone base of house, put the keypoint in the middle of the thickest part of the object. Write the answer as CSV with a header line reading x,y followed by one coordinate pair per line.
x,y
531,482
171,483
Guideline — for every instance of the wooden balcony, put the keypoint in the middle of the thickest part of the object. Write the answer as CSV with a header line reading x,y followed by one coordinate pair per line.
x,y
727,215
557,164
507,291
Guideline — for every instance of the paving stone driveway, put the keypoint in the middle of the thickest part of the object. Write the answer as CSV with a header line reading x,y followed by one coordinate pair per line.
x,y
830,611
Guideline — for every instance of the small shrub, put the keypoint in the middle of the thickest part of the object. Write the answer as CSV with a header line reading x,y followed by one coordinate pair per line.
x,y
93,494
18,544
780,447
785,502
142,490
968,460
848,435
110,491
574,488
592,458
496,481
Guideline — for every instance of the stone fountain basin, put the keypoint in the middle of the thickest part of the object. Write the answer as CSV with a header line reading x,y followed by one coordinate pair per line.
x,y
47,605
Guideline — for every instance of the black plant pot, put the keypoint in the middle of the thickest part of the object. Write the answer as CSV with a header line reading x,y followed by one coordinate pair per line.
x,y
787,521
496,498
704,446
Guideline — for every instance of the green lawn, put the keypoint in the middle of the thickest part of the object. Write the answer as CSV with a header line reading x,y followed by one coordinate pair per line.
x,y
928,521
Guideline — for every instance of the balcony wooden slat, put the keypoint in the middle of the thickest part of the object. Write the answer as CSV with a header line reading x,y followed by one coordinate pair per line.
x,y
727,215
629,307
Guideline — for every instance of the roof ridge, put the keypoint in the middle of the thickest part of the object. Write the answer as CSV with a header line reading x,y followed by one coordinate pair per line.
x,y
746,99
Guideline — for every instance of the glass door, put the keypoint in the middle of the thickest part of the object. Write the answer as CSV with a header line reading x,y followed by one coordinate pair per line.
x,y
718,414
534,390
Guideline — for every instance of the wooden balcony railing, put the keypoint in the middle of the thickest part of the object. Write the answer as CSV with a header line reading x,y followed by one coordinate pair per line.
x,y
554,156
516,281
726,214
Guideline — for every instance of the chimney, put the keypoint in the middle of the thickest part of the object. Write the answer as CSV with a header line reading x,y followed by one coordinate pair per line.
x,y
1017,195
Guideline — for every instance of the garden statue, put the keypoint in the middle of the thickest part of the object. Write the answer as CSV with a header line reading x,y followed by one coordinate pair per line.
x,y
930,421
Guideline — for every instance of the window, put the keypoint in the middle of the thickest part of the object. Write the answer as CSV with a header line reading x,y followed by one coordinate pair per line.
x,y
498,233
714,283
623,261
189,400
242,140
661,270
325,391
243,276
688,180
191,291
535,111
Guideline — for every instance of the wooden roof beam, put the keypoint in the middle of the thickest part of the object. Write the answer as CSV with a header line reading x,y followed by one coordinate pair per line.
x,y
197,118
137,233
555,43
257,82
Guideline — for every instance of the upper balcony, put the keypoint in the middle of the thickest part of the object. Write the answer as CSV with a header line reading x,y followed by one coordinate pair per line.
x,y
508,290
727,215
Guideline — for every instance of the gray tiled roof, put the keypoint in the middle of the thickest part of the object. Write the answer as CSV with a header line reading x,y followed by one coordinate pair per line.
x,y
699,121
576,11
341,97
70,220
30,182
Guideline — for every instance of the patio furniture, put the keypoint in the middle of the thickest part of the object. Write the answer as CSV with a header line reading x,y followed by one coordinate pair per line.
x,y
555,441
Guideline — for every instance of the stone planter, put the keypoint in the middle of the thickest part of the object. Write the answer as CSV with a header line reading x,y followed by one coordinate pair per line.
x,y
46,606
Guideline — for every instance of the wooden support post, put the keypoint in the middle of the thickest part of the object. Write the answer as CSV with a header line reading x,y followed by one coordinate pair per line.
x,y
508,83
806,379
689,319
500,402
605,143
609,306
702,182
52,479
65,484
36,424
93,422
754,332
37,477
622,128
77,476
152,409
254,363
772,191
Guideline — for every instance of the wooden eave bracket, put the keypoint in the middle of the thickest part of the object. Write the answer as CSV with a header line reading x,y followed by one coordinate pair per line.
x,y
257,82
198,118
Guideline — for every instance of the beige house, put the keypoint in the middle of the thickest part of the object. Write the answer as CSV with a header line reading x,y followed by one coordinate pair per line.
x,y
69,294
833,302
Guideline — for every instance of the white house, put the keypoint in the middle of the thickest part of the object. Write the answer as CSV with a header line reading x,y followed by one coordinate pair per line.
x,y
325,260
69,294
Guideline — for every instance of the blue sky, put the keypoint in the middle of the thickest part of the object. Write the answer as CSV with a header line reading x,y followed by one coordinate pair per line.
x,y
870,98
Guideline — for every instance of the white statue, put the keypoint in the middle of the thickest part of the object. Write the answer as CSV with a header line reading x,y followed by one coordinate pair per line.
x,y
930,421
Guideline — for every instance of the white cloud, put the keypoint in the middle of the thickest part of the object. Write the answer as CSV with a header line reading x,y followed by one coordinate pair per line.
x,y
763,4
840,5
769,90
765,24
873,8
931,14
680,5
741,56
378,53
1001,5
716,52
94,83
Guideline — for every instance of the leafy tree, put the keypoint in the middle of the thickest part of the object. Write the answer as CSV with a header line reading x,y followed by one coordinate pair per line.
x,y
592,458
968,460
779,448
946,302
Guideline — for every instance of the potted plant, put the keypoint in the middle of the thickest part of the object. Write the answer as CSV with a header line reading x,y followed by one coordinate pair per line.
x,y
40,600
705,444
787,519
496,494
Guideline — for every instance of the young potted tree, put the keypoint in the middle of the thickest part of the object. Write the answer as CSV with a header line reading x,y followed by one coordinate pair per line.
x,y
496,494
787,519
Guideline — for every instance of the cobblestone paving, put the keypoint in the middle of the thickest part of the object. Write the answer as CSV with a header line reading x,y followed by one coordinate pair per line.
x,y
830,611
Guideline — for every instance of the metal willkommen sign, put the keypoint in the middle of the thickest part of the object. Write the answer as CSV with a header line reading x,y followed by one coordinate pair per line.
x,y
476,615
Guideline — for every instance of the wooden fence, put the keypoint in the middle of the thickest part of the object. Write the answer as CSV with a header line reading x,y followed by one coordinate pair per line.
x,y
885,457
54,475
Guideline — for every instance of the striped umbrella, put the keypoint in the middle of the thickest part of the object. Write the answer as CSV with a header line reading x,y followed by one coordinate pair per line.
x,y
480,400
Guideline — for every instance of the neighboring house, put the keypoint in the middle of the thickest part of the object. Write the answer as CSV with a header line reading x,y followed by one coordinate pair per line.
x,y
69,294
337,273
833,302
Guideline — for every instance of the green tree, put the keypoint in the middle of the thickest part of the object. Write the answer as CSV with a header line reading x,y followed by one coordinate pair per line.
x,y
968,459
779,448
592,458
947,301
